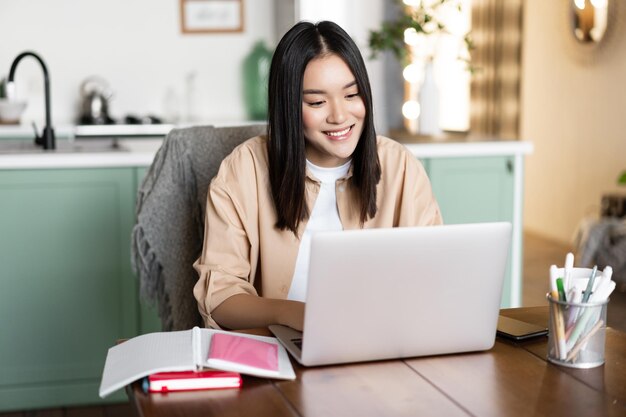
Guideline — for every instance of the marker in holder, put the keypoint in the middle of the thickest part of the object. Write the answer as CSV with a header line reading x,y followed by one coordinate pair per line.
x,y
576,335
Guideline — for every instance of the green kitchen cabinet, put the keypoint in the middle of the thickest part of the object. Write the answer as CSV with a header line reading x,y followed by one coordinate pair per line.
x,y
67,292
471,190
475,190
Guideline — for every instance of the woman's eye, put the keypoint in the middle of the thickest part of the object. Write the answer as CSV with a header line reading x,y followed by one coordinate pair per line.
x,y
352,95
316,103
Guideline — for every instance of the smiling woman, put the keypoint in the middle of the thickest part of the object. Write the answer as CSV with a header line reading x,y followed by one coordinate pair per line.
x,y
321,167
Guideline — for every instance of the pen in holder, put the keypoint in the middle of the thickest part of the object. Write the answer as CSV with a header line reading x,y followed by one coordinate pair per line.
x,y
577,332
578,300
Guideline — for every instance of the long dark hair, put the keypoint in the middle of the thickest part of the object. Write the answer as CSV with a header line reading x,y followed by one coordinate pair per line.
x,y
286,146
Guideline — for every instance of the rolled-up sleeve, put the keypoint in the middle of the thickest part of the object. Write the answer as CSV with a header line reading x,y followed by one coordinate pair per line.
x,y
419,205
224,265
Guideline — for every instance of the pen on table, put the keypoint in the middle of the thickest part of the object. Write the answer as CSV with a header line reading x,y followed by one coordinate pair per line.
x,y
567,270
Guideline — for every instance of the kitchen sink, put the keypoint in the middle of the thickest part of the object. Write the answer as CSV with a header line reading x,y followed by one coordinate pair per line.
x,y
62,146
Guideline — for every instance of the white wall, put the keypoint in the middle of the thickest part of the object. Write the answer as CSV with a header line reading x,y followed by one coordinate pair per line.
x,y
574,111
137,46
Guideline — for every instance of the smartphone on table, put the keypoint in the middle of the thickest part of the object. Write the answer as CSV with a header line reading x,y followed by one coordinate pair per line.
x,y
518,330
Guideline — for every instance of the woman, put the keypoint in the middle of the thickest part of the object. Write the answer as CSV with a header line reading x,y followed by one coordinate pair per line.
x,y
320,167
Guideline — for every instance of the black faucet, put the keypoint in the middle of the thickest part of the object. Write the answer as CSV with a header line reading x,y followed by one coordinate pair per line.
x,y
47,137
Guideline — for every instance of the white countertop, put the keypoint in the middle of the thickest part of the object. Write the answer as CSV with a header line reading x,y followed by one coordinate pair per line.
x,y
463,149
73,131
136,145
98,153
69,131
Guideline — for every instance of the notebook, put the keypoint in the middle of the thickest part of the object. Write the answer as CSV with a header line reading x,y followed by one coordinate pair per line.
x,y
193,350
401,292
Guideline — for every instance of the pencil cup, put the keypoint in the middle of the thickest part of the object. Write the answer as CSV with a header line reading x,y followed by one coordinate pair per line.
x,y
577,333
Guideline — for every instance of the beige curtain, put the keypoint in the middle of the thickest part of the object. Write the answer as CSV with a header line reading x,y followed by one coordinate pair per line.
x,y
495,90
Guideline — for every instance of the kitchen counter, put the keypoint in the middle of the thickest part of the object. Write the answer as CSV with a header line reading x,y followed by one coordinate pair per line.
x,y
462,149
459,145
97,153
69,131
132,150
90,146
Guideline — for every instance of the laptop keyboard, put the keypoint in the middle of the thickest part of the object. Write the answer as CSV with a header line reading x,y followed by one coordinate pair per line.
x,y
297,342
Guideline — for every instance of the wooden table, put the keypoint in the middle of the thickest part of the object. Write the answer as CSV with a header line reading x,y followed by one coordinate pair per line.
x,y
512,379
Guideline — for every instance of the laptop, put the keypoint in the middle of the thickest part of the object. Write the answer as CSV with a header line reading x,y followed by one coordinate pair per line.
x,y
391,293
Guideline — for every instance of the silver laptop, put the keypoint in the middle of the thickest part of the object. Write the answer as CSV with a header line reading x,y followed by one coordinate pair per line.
x,y
403,292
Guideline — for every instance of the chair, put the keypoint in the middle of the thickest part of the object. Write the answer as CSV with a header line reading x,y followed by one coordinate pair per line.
x,y
168,235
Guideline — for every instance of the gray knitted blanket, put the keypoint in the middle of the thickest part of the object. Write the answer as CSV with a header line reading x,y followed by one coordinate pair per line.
x,y
605,244
168,235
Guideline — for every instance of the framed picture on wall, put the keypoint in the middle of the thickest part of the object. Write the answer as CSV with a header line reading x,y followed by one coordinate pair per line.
x,y
211,16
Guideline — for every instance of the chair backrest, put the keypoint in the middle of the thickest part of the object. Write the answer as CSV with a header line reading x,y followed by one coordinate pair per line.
x,y
171,201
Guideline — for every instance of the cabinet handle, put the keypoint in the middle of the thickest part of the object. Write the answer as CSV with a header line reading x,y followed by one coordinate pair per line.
x,y
509,166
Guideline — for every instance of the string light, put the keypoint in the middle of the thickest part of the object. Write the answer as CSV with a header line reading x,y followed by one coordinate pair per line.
x,y
412,73
411,37
411,110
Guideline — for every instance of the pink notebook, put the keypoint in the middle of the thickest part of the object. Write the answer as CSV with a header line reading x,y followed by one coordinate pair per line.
x,y
244,351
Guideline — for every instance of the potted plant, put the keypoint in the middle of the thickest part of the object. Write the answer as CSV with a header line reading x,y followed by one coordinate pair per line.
x,y
420,18
432,41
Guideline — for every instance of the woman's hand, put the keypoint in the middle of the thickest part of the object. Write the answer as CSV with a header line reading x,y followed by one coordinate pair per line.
x,y
292,314
245,311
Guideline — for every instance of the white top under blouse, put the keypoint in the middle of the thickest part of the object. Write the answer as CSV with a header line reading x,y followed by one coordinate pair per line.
x,y
324,217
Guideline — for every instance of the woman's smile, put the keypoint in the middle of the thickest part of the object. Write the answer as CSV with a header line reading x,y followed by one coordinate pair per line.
x,y
340,134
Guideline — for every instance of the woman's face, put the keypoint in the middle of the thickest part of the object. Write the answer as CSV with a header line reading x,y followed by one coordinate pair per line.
x,y
332,111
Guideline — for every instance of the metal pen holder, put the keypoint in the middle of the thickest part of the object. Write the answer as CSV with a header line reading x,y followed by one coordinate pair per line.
x,y
576,336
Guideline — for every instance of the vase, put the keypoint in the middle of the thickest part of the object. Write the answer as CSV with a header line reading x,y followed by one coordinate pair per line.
x,y
429,103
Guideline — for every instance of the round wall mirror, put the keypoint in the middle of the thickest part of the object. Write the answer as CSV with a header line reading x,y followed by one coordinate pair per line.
x,y
589,19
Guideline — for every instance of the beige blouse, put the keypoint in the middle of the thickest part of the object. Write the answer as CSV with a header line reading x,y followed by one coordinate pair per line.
x,y
244,253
